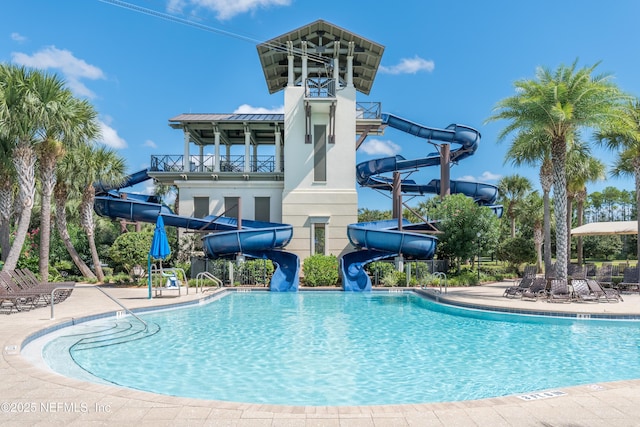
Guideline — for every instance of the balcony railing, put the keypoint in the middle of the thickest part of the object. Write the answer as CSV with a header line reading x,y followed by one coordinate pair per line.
x,y
175,163
368,110
320,87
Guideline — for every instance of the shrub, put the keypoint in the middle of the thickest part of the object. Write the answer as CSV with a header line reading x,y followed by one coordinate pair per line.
x,y
320,270
394,278
131,249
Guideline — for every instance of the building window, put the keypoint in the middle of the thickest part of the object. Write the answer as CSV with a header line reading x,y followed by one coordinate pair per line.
x,y
262,209
231,207
319,234
200,207
319,238
319,153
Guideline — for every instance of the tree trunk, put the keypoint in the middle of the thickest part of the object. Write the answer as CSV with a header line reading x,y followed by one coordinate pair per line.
x,y
24,160
6,208
546,181
537,240
86,218
569,222
558,159
581,196
61,223
48,181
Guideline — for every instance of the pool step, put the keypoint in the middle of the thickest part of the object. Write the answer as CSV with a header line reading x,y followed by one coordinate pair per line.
x,y
122,332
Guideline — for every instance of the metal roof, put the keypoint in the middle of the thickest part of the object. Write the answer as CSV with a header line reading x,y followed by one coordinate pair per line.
x,y
209,118
323,41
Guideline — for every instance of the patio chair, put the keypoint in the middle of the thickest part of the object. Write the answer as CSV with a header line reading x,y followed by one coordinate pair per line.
x,y
604,275
527,279
581,291
576,271
538,289
28,281
559,291
604,294
630,280
12,295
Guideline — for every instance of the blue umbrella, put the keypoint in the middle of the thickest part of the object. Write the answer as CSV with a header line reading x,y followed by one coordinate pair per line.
x,y
159,248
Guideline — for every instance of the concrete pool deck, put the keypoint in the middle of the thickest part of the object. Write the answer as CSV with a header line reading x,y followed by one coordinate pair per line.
x,y
31,395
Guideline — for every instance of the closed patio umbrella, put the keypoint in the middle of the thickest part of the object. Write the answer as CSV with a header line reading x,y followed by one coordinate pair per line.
x,y
159,248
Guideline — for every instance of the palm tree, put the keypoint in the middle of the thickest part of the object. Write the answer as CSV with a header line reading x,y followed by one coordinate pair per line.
x,y
628,162
582,168
513,189
18,124
98,164
531,211
528,148
558,104
7,180
65,121
64,188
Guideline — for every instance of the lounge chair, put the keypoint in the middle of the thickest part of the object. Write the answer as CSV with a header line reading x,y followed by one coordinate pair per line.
x,y
538,289
527,279
630,280
13,296
604,294
581,291
604,275
28,281
559,291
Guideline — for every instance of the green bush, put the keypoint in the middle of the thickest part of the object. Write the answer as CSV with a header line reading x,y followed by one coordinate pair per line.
x,y
131,249
394,278
320,270
379,269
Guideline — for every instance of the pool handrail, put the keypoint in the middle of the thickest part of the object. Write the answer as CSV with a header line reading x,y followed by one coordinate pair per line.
x,y
112,298
206,275
443,278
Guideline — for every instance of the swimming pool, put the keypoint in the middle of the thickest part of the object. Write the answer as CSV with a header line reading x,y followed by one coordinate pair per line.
x,y
336,348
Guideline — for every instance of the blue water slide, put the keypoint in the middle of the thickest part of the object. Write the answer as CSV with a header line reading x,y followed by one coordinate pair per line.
x,y
383,239
378,240
256,239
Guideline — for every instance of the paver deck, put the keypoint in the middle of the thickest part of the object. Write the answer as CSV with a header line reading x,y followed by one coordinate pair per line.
x,y
33,395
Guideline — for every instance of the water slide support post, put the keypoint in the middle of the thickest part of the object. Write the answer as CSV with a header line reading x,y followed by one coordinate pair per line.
x,y
445,163
397,198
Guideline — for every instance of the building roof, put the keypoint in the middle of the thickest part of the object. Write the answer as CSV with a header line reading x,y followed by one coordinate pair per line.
x,y
177,121
202,127
323,41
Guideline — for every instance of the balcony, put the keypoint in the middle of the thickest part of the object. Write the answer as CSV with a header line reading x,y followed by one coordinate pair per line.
x,y
173,164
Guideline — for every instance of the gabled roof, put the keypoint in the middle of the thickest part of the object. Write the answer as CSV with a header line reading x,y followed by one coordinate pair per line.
x,y
322,41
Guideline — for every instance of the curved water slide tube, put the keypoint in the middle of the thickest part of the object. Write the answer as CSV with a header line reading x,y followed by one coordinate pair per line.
x,y
255,239
383,239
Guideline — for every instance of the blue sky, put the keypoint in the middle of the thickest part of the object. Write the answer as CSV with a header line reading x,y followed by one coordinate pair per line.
x,y
445,61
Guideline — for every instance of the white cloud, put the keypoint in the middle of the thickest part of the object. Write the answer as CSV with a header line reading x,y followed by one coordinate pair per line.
x,y
248,109
110,136
225,9
379,147
486,176
409,66
149,143
17,37
72,68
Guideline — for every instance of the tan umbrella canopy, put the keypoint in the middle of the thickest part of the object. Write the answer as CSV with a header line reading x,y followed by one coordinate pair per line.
x,y
606,228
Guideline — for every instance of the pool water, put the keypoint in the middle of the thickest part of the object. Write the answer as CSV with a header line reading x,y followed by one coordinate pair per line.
x,y
336,348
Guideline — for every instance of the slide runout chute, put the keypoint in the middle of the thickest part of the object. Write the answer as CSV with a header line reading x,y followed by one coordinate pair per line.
x,y
262,239
378,240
